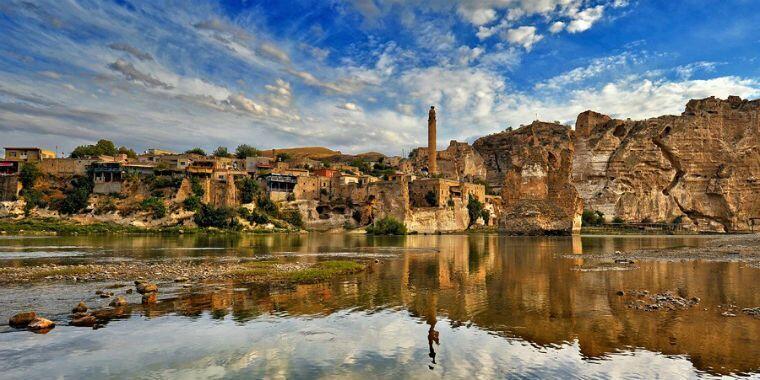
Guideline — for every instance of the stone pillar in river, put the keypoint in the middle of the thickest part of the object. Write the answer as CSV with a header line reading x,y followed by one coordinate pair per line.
x,y
432,153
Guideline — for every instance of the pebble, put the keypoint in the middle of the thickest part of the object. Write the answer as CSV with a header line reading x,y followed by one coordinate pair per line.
x,y
119,301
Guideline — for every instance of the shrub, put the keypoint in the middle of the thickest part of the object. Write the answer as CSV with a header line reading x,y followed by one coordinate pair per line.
x,y
678,220
29,174
165,181
267,206
154,205
592,218
76,198
192,203
196,187
293,217
618,220
256,216
290,197
249,189
222,217
475,209
387,226
101,148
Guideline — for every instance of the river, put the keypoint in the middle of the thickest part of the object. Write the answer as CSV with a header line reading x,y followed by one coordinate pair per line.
x,y
437,306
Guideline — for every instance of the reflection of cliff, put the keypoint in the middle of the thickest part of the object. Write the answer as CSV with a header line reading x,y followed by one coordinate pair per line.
x,y
517,287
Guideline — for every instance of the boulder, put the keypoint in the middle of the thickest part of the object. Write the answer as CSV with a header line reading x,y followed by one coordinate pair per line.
x,y
80,308
149,298
119,301
84,321
144,287
22,319
40,324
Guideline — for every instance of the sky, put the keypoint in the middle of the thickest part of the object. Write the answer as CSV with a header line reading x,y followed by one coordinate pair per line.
x,y
355,75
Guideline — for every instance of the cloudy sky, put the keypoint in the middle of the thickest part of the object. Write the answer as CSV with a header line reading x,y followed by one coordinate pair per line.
x,y
355,75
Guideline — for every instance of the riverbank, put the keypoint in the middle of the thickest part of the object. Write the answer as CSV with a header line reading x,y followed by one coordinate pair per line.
x,y
738,248
56,226
185,270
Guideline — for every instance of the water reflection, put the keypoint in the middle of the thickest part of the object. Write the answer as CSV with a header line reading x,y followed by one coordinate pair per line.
x,y
463,290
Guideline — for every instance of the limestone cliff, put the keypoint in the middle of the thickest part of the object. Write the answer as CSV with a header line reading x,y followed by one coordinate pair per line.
x,y
702,167
458,162
531,168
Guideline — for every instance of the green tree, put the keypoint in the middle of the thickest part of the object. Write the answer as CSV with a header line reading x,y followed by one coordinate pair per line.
x,y
154,205
245,150
29,175
129,152
209,216
192,203
101,148
222,152
475,209
248,188
196,151
196,187
77,196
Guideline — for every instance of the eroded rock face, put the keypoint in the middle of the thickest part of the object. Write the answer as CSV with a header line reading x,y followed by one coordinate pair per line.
x,y
702,167
458,162
531,168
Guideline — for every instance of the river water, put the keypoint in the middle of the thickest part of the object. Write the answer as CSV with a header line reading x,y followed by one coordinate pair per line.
x,y
451,306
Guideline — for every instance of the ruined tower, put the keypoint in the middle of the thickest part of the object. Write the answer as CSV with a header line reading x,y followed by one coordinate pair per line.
x,y
432,153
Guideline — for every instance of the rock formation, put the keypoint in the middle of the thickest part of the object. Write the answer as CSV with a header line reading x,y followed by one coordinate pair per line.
x,y
458,162
531,168
701,168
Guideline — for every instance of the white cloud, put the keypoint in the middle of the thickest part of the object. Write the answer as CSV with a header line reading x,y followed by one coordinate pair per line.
x,y
585,19
274,52
349,107
477,16
524,36
557,27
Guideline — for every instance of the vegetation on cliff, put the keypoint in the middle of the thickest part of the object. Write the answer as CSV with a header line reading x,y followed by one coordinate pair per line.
x,y
387,226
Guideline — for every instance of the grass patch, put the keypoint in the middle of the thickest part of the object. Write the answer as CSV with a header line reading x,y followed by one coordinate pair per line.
x,y
265,271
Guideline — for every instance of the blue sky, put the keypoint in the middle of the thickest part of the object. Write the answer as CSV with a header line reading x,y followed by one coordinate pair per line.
x,y
355,75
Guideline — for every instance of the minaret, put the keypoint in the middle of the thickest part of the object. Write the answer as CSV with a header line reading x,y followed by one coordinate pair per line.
x,y
432,152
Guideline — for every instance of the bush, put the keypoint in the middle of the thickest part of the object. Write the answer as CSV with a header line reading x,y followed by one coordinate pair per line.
x,y
290,197
76,198
29,174
221,217
192,203
387,226
618,220
255,216
155,205
267,206
475,209
592,218
249,189
293,217
165,181
196,187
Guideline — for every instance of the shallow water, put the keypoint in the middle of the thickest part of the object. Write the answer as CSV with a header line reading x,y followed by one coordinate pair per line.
x,y
455,306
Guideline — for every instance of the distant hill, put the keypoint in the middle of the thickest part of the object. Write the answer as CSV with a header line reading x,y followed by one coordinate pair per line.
x,y
314,152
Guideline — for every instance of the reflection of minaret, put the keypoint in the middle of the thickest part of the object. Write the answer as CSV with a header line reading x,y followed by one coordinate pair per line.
x,y
432,163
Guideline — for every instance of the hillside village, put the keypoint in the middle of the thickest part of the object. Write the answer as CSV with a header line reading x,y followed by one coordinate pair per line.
x,y
536,179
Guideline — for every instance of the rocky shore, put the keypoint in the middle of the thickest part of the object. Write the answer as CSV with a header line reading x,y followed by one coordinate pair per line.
x,y
741,248
183,270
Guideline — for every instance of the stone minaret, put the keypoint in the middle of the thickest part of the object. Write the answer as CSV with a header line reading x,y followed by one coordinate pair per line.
x,y
432,152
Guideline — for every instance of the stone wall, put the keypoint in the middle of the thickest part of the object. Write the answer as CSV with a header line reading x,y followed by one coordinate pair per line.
x,y
702,167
